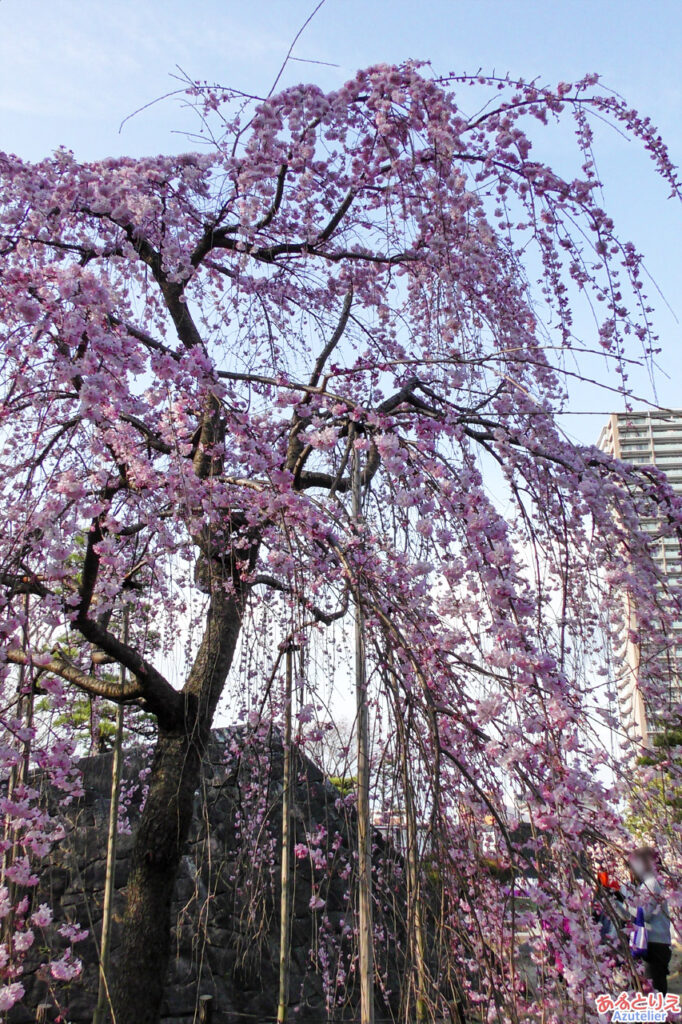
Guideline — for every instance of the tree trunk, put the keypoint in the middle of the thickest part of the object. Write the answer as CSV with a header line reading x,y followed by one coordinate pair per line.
x,y
162,833
141,969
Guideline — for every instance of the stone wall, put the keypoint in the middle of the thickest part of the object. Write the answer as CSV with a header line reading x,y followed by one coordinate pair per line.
x,y
226,937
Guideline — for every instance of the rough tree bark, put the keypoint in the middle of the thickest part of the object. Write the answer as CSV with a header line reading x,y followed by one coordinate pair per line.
x,y
142,962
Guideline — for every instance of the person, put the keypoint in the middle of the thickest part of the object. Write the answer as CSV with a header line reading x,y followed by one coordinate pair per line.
x,y
650,896
608,907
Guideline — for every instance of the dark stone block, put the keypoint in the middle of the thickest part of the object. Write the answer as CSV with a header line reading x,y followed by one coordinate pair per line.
x,y
226,913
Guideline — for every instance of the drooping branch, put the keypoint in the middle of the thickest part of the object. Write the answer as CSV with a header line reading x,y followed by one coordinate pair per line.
x,y
152,439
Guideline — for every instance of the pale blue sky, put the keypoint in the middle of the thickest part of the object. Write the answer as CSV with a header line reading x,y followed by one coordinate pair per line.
x,y
71,70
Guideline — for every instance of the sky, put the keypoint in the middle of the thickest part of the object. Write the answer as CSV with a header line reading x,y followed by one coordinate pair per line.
x,y
71,71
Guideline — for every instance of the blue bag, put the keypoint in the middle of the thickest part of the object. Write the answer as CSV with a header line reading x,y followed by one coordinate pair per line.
x,y
639,943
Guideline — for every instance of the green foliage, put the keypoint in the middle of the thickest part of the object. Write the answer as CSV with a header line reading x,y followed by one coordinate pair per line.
x,y
659,797
94,723
346,784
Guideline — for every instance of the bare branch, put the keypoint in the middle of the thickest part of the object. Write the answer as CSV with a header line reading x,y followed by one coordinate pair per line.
x,y
333,341
277,201
318,614
152,439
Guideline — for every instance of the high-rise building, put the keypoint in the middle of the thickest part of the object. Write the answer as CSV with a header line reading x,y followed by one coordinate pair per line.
x,y
647,438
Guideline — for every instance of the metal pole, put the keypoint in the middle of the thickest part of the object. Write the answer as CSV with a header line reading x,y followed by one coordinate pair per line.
x,y
366,929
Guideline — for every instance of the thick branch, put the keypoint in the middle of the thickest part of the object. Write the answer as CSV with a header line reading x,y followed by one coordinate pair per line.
x,y
24,583
276,202
172,291
147,340
162,700
112,689
336,219
326,481
152,439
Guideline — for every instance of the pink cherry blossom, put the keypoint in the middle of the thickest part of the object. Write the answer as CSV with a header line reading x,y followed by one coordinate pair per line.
x,y
65,968
42,917
10,995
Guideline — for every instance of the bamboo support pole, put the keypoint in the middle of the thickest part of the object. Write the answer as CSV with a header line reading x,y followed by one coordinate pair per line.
x,y
285,899
103,999
366,929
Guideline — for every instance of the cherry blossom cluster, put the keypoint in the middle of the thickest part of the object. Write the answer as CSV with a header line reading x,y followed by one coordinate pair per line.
x,y
200,355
